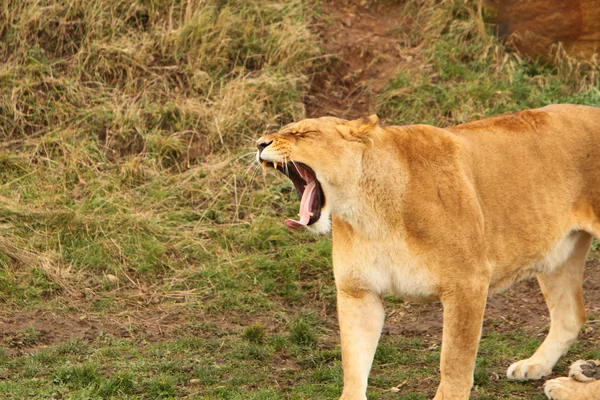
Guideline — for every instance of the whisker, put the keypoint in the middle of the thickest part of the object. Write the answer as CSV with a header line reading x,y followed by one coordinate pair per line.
x,y
252,161
251,164
295,165
252,139
251,177
254,174
247,170
252,153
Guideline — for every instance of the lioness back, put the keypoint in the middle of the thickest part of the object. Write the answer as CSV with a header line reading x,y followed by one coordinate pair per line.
x,y
537,175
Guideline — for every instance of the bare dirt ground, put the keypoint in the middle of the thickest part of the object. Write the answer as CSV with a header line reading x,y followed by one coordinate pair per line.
x,y
52,327
366,49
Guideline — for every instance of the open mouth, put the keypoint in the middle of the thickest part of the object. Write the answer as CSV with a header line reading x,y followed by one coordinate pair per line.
x,y
309,191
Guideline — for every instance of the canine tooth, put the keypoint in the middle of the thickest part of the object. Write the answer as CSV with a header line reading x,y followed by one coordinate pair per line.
x,y
275,164
312,214
264,164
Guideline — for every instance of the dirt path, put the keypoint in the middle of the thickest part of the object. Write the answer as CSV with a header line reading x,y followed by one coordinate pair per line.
x,y
522,307
366,48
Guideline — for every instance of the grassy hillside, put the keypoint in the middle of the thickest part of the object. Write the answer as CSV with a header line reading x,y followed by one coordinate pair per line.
x,y
121,125
128,195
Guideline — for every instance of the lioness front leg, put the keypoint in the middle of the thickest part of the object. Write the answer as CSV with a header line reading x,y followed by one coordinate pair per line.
x,y
463,318
361,319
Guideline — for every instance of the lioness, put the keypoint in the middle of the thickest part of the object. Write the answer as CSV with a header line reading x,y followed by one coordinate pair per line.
x,y
452,215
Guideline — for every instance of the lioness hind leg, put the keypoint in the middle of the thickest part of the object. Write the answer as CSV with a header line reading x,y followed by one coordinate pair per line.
x,y
562,289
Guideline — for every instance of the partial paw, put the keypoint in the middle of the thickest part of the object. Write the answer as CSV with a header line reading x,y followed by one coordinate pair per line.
x,y
570,389
560,388
527,370
585,371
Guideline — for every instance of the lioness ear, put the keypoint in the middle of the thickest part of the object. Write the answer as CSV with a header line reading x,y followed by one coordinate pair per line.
x,y
372,120
358,129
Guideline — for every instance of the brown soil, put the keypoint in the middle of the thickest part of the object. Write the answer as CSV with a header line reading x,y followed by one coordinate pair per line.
x,y
365,46
53,327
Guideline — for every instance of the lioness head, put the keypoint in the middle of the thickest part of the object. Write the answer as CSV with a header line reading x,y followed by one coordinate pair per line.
x,y
322,157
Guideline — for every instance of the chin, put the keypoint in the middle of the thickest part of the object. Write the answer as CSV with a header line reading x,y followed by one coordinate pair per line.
x,y
323,225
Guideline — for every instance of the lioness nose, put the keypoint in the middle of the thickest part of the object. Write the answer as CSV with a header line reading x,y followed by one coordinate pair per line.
x,y
262,144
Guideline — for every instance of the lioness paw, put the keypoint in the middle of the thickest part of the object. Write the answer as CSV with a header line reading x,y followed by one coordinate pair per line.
x,y
585,370
570,389
560,388
527,370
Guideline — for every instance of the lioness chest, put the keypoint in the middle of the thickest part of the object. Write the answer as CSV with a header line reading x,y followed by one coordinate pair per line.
x,y
384,268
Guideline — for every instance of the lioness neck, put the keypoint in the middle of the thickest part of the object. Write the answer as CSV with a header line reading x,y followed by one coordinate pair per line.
x,y
392,182
374,209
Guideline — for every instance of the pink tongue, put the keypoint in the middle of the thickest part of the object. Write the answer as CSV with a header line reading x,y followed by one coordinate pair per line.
x,y
305,203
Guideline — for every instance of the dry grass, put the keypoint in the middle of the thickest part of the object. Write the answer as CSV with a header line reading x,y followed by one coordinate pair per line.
x,y
203,73
114,117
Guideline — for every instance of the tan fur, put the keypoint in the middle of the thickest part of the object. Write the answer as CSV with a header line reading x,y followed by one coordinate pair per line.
x,y
569,389
454,214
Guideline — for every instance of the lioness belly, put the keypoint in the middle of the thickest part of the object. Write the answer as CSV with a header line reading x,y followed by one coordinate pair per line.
x,y
503,276
407,281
